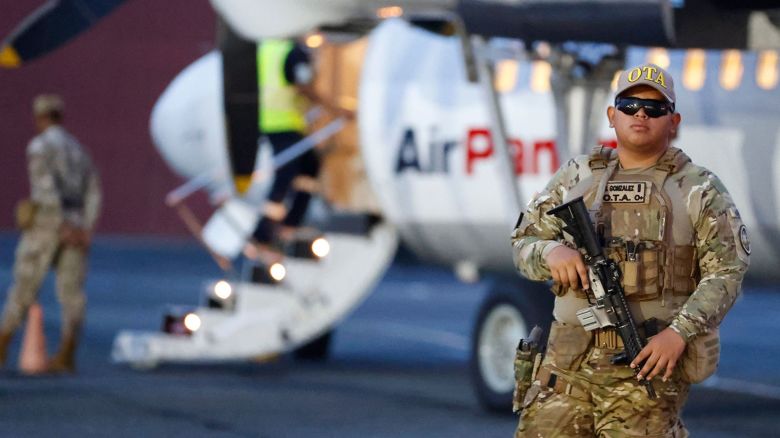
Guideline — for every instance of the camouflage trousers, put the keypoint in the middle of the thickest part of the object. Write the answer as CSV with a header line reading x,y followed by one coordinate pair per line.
x,y
38,250
609,403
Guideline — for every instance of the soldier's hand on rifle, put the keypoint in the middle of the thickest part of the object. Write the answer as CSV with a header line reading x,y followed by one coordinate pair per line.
x,y
567,267
662,353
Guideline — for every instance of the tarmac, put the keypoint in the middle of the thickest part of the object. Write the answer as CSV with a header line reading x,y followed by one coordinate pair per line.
x,y
398,365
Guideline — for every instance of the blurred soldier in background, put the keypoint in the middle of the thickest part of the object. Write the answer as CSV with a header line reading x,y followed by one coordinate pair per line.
x,y
56,224
683,251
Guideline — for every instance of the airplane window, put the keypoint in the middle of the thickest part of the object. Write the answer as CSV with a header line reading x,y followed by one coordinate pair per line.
x,y
731,69
540,76
506,75
315,40
659,57
766,73
389,12
542,49
694,72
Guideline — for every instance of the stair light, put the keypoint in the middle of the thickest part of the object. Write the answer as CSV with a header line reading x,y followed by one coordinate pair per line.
x,y
320,247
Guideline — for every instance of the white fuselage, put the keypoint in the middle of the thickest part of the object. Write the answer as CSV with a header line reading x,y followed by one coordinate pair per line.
x,y
429,155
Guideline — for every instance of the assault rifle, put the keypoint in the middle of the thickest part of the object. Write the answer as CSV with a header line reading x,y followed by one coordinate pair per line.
x,y
610,309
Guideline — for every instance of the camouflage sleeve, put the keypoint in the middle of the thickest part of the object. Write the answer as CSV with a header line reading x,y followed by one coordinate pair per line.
x,y
43,188
92,201
724,255
537,233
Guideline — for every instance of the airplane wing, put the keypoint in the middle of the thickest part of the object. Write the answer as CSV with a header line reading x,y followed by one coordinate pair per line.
x,y
667,23
749,24
634,22
256,19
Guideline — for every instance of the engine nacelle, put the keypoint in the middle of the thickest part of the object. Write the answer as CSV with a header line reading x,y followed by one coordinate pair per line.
x,y
187,124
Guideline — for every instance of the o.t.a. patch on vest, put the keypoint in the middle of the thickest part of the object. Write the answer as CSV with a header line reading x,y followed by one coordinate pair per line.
x,y
627,192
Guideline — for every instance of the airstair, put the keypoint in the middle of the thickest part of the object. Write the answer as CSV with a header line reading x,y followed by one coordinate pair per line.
x,y
262,311
245,319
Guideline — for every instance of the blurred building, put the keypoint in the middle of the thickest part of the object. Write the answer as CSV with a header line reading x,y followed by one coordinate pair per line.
x,y
110,77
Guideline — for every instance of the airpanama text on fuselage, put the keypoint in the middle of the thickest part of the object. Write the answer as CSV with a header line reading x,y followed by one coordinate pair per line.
x,y
528,157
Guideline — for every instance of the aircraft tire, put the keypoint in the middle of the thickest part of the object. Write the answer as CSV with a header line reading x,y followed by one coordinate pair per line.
x,y
317,350
508,313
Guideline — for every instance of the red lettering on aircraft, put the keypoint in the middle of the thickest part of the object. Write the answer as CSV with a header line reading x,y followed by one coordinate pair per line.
x,y
534,158
480,146
517,151
609,143
547,147
474,152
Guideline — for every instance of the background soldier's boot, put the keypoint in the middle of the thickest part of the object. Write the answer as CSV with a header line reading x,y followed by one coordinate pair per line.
x,y
5,340
65,359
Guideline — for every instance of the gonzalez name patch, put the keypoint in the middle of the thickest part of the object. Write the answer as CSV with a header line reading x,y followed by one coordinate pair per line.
x,y
626,192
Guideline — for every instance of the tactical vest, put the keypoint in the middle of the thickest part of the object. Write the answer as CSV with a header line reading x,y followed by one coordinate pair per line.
x,y
633,215
281,107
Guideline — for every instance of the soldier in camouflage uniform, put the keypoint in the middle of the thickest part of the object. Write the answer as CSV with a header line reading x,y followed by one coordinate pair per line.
x,y
682,249
65,200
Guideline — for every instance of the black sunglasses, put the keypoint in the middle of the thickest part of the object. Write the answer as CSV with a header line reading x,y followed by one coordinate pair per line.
x,y
653,108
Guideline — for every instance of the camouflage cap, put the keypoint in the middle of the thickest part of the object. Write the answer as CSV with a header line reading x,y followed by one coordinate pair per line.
x,y
47,103
647,74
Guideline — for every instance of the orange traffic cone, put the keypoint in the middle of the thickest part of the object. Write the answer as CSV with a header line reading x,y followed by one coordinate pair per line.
x,y
33,358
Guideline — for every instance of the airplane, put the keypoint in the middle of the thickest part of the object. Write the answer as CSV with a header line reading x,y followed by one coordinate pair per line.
x,y
480,149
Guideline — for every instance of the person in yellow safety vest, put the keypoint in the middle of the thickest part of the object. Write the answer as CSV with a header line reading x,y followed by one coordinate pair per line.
x,y
285,78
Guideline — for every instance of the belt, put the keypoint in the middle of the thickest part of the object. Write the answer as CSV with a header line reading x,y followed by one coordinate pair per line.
x,y
548,379
608,338
72,204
